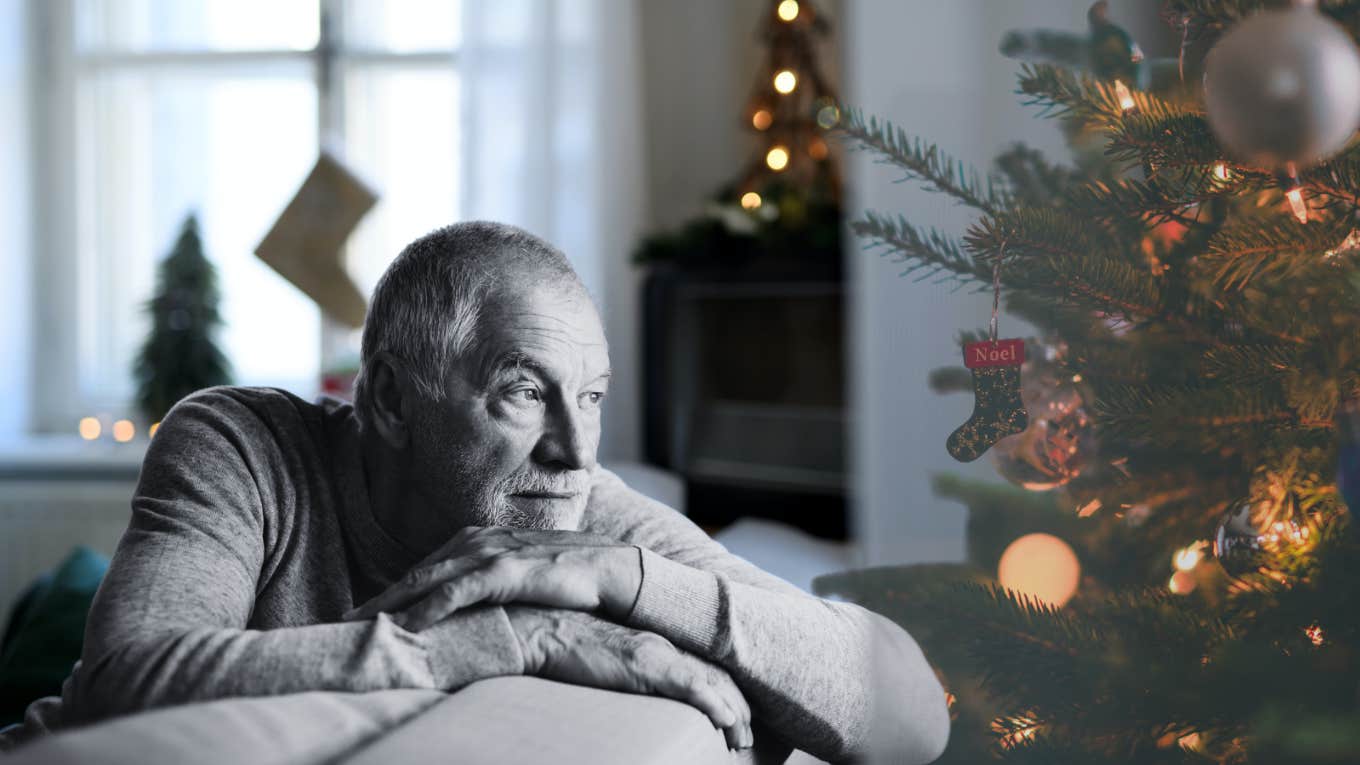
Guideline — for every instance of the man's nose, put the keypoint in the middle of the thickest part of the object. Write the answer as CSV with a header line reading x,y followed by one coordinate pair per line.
x,y
569,440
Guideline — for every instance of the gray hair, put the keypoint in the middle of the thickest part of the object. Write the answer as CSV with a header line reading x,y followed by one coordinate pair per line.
x,y
426,306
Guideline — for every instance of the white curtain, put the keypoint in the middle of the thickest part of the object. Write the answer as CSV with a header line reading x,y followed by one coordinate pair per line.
x,y
552,117
15,265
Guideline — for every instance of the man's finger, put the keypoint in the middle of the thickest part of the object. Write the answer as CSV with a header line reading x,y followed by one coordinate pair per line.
x,y
739,735
446,600
686,682
417,584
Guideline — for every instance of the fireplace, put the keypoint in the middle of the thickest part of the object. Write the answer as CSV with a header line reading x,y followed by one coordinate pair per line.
x,y
745,391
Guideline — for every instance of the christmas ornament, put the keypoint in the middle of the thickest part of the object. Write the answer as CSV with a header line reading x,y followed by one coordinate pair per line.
x,y
1060,438
1283,86
1238,546
1242,548
998,410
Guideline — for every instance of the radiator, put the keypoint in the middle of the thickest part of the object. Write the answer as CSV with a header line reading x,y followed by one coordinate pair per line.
x,y
42,519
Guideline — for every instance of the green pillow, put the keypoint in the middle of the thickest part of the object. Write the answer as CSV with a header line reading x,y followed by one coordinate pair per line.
x,y
46,631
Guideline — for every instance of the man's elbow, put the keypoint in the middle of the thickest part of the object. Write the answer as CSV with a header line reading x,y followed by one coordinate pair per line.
x,y
917,740
934,734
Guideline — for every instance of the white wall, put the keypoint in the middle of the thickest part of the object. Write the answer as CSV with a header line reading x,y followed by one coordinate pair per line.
x,y
15,272
934,69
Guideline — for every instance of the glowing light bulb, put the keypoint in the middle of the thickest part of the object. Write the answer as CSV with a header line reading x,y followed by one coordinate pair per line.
x,y
785,81
788,10
1187,558
762,119
1121,92
1182,583
1295,197
123,431
89,428
750,200
777,158
1221,172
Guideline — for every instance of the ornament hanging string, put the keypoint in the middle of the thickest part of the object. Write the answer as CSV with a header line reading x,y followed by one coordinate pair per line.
x,y
1185,38
996,289
998,409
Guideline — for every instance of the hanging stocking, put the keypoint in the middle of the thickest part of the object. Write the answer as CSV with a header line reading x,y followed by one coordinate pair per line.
x,y
998,410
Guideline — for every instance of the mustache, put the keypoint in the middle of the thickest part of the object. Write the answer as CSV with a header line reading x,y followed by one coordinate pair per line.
x,y
574,483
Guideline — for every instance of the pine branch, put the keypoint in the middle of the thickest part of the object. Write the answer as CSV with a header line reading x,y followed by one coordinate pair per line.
x,y
1250,366
1178,140
1084,100
1270,248
928,253
1034,181
1212,15
1166,196
924,162
1205,417
1054,251
1061,749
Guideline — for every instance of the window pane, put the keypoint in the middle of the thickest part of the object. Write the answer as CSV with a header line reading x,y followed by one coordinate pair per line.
x,y
191,25
404,25
154,147
402,136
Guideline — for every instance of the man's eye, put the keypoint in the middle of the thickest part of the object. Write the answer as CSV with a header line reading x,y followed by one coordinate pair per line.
x,y
594,397
525,396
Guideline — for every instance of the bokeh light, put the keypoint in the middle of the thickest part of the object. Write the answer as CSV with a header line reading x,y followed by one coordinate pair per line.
x,y
123,431
1041,566
785,81
777,158
762,119
828,116
750,200
788,10
90,428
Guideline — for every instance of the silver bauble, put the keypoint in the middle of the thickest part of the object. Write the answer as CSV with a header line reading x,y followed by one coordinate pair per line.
x,y
1241,548
1238,545
1059,441
1283,86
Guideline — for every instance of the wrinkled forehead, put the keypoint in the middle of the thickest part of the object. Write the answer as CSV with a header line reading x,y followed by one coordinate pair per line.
x,y
546,322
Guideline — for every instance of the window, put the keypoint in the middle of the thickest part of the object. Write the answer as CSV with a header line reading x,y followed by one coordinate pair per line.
x,y
219,107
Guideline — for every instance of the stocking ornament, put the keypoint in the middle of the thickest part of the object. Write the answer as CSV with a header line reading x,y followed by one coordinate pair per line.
x,y
998,409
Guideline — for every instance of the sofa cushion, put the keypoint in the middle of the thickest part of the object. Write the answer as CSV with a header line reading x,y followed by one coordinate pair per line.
x,y
46,631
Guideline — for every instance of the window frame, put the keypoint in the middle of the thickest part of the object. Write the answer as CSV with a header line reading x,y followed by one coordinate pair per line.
x,y
57,401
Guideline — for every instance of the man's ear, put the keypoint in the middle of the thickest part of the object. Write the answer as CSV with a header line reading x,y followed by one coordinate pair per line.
x,y
392,390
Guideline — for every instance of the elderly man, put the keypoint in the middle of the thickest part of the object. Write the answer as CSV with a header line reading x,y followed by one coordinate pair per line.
x,y
454,525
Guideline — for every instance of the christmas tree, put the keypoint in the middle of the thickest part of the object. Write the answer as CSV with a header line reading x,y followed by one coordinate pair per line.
x,y
1193,278
180,355
785,201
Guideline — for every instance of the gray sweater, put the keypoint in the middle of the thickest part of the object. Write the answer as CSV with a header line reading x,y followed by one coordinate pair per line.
x,y
251,535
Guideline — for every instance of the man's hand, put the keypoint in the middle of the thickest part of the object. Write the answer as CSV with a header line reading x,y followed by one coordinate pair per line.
x,y
563,569
582,649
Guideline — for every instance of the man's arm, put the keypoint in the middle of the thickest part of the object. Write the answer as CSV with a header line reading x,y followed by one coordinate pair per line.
x,y
809,667
168,623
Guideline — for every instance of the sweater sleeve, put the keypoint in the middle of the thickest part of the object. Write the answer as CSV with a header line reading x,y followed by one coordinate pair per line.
x,y
168,624
811,668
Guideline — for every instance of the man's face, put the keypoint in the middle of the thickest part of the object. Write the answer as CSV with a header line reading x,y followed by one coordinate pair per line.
x,y
514,441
